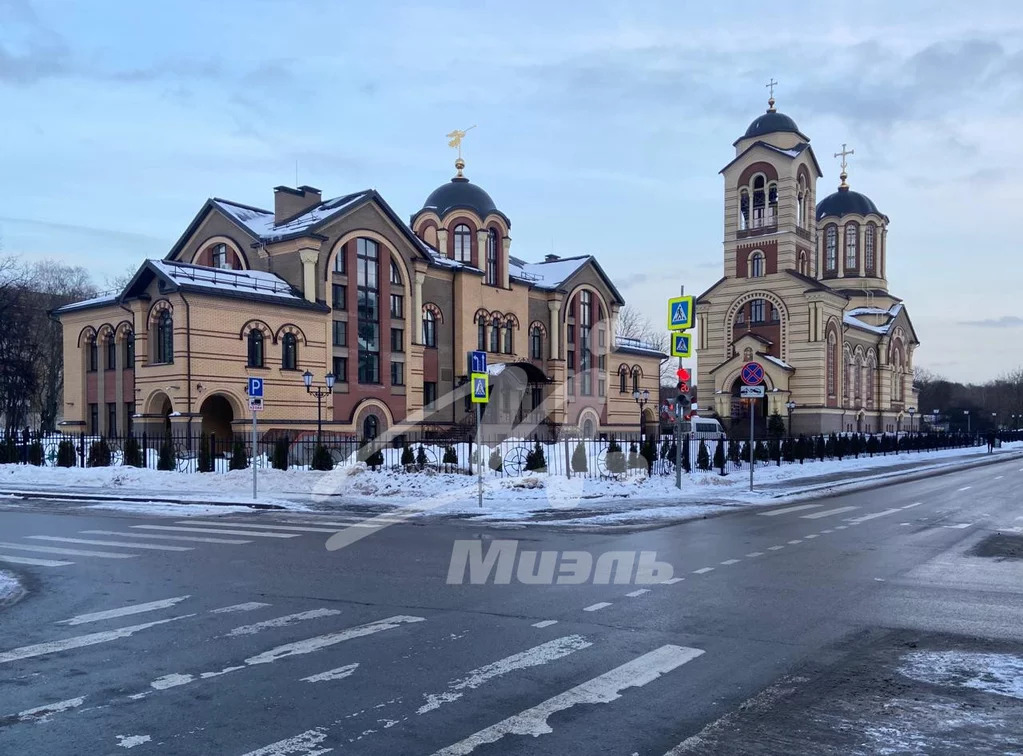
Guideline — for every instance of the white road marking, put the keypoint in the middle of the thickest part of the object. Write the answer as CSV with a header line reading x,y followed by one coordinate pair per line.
x,y
798,508
731,561
794,541
828,513
864,518
964,488
639,592
999,477
300,528
903,524
89,542
960,526
43,713
304,744
775,548
703,570
124,611
602,689
220,532
910,506
333,674
130,741
672,581
288,619
533,657
310,645
53,647
841,527
33,562
597,606
545,623
346,521
755,554
246,607
808,537
155,536
828,531
67,552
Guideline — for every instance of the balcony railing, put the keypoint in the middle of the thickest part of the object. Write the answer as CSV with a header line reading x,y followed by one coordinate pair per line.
x,y
759,227
805,233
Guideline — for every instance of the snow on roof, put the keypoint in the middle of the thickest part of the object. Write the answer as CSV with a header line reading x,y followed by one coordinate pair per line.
x,y
261,222
249,281
852,318
86,303
637,345
549,274
780,363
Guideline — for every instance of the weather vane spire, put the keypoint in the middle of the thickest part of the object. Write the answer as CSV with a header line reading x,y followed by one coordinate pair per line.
x,y
456,138
843,175
770,87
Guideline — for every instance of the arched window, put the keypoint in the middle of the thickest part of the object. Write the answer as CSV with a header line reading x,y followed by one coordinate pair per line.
x,y
367,263
429,328
759,202
492,262
831,249
370,427
395,274
801,197
756,310
495,335
832,360
622,380
871,379
772,204
219,256
803,264
93,347
289,352
165,338
743,209
255,348
869,262
635,380
847,375
339,261
463,243
509,343
481,335
536,343
858,385
851,244
397,294
756,265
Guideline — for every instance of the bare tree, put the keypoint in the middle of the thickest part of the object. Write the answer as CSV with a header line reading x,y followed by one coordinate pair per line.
x,y
116,283
632,324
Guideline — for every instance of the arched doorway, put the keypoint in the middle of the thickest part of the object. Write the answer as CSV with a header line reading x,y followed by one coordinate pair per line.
x,y
159,406
217,416
650,424
741,410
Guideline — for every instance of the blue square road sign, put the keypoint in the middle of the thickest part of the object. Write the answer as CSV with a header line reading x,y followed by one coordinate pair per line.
x,y
256,387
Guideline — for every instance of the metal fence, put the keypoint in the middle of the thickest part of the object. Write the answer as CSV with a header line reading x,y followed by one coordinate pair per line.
x,y
610,457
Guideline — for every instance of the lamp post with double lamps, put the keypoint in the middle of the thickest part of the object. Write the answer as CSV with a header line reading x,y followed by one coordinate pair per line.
x,y
641,397
319,393
790,406
912,413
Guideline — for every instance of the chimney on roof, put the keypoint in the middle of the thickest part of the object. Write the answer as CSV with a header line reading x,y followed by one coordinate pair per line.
x,y
550,258
290,203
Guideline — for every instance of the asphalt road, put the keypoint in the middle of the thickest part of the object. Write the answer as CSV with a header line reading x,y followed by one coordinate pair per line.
x,y
251,637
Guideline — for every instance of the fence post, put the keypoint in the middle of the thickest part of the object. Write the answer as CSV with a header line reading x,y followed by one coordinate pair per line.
x,y
568,466
81,447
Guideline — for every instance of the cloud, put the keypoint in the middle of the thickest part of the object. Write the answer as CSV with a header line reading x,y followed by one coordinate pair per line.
x,y
1006,321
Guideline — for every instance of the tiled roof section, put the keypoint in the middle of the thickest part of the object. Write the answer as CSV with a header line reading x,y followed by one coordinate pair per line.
x,y
261,222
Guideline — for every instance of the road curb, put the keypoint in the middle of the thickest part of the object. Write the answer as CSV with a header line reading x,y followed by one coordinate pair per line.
x,y
52,496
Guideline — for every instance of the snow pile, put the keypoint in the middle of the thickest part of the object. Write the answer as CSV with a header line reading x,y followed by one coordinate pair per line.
x,y
10,588
1001,674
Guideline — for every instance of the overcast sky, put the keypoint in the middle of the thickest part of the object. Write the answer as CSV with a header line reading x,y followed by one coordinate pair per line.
x,y
601,129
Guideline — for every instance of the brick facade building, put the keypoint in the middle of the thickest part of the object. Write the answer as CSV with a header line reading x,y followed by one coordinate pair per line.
x,y
345,287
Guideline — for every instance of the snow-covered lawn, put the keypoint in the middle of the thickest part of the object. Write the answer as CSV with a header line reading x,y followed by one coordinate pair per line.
x,y
635,496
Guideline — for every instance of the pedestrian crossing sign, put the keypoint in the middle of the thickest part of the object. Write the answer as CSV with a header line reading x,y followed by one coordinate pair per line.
x,y
480,388
681,344
680,313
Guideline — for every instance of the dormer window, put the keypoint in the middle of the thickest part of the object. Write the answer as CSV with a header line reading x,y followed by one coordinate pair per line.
x,y
219,256
463,243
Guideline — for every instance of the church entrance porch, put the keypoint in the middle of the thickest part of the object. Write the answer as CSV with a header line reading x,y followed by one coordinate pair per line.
x,y
740,412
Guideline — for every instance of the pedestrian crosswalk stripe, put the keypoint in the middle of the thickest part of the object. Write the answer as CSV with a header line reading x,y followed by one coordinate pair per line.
x,y
288,619
786,510
90,542
597,607
858,520
195,539
599,690
67,552
344,521
260,527
32,562
215,532
827,513
124,611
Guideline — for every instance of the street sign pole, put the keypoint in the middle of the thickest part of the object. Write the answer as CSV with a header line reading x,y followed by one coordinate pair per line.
x,y
477,365
678,422
254,424
752,409
479,460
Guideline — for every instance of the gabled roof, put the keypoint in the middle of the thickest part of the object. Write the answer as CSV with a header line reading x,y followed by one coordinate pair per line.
x,y
814,284
259,225
713,286
626,345
751,335
792,154
852,318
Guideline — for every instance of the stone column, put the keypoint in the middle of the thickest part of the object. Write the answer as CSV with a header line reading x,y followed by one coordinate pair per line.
x,y
121,418
505,261
442,242
481,251
309,258
862,233
417,308
101,389
554,306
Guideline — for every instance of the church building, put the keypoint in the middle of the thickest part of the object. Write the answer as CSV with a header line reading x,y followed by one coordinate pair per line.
x,y
804,293
344,292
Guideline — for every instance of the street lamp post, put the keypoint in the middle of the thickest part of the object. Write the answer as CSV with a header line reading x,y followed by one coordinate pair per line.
x,y
912,412
641,397
319,393
969,426
790,406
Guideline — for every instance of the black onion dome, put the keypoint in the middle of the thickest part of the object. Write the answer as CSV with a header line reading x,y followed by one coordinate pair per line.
x,y
460,194
846,202
770,122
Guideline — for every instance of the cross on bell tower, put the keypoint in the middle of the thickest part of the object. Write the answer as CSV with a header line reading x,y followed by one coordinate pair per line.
x,y
770,86
843,175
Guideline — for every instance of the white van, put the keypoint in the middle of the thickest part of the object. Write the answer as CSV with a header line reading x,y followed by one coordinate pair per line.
x,y
703,428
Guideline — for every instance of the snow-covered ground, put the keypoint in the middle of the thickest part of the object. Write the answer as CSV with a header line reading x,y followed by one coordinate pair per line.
x,y
10,588
635,496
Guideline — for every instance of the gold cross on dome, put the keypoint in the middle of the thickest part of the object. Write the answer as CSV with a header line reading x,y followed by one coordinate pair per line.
x,y
843,154
771,85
